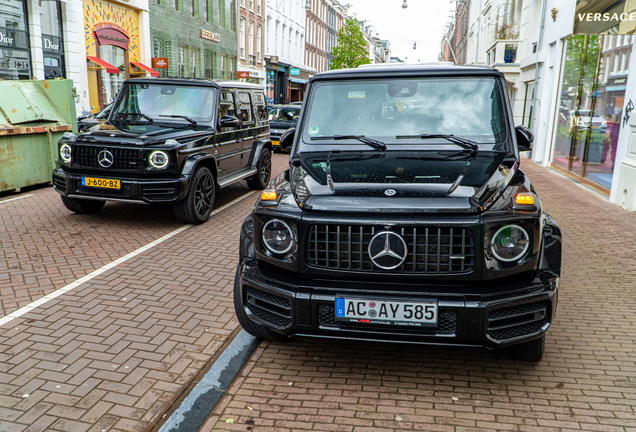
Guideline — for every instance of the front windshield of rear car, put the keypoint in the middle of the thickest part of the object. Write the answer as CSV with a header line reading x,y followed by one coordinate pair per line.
x,y
161,99
471,108
286,114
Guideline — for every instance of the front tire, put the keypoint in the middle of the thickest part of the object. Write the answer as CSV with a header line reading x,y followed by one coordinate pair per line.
x,y
255,329
264,170
82,206
196,207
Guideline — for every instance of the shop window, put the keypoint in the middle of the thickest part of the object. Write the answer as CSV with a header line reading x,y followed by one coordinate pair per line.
x,y
245,108
223,66
210,64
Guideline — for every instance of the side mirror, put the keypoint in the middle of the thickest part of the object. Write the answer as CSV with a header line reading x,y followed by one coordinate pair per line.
x,y
228,121
524,138
287,138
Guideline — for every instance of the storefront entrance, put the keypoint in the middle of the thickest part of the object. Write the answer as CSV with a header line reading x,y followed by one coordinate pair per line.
x,y
589,113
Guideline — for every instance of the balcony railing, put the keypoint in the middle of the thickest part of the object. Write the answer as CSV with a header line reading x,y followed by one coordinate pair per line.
x,y
504,52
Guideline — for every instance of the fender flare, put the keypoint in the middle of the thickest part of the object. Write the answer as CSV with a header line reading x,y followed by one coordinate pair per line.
x,y
193,161
246,244
258,149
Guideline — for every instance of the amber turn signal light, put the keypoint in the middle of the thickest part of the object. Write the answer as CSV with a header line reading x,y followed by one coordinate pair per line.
x,y
527,199
269,196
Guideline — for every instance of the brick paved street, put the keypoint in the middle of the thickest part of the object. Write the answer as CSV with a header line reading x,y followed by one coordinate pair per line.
x,y
117,351
586,381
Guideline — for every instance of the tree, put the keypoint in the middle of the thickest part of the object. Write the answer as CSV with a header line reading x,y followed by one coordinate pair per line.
x,y
351,50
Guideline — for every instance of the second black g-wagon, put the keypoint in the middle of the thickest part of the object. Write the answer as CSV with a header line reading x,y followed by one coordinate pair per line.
x,y
168,141
404,216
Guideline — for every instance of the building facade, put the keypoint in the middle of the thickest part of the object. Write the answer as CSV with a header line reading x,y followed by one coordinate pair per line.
x,y
572,83
251,41
194,39
39,39
284,51
316,35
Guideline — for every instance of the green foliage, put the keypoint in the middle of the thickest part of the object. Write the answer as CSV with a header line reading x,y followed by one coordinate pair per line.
x,y
351,50
577,47
507,31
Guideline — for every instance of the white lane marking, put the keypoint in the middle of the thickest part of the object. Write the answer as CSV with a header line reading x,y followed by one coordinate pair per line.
x,y
13,199
80,281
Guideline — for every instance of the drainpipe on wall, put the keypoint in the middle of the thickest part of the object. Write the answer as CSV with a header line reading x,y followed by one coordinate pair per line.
x,y
536,70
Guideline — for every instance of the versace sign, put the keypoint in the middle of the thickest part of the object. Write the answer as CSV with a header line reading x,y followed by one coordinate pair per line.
x,y
594,17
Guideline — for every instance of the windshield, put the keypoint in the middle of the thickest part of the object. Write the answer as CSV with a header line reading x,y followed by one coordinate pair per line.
x,y
385,108
284,114
162,102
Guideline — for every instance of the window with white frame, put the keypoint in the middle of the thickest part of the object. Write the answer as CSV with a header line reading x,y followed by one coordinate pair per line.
x,y
243,3
259,8
251,5
242,37
194,53
250,44
259,38
624,62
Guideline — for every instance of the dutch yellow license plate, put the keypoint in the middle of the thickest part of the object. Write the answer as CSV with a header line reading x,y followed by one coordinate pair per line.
x,y
101,183
276,143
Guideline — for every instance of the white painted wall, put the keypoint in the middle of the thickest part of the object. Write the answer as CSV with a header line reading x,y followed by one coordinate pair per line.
x,y
290,15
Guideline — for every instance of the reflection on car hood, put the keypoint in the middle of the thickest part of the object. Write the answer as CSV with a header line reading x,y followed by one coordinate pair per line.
x,y
140,134
380,182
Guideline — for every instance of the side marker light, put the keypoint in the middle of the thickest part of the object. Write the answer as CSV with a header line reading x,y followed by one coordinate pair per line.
x,y
527,199
269,195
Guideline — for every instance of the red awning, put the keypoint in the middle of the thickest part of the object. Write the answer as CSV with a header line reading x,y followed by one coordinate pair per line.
x,y
109,67
151,71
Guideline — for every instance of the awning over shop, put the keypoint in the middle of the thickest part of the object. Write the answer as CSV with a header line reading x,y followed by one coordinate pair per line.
x,y
298,80
145,68
104,65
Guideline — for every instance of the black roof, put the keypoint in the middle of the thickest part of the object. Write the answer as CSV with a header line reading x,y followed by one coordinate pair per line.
x,y
198,82
392,69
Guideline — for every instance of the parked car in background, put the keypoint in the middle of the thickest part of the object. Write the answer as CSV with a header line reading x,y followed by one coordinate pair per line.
x,y
168,141
281,118
86,123
404,217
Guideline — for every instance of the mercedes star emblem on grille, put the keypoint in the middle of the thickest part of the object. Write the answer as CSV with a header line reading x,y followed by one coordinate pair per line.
x,y
105,158
387,250
389,192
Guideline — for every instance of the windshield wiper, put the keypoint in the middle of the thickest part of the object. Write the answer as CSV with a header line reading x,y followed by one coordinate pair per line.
x,y
135,114
378,145
181,116
462,142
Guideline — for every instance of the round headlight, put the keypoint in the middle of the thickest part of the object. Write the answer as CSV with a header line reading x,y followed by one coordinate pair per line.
x,y
65,153
510,243
159,159
277,236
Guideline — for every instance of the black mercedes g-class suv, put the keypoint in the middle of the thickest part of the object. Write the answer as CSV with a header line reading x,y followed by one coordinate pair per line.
x,y
404,216
168,141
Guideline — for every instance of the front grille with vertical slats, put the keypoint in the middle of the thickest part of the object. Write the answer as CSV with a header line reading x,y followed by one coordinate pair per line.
x,y
446,325
123,159
518,320
431,249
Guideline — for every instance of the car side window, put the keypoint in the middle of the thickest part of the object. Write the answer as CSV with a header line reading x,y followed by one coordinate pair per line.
x,y
245,108
226,108
261,108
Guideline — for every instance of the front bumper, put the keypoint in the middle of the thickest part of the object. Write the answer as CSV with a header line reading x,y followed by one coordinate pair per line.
x,y
154,190
519,312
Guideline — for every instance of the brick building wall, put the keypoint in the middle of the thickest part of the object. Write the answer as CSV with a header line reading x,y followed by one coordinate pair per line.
x,y
199,37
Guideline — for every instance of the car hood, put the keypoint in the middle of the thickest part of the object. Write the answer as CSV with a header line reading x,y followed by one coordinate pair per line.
x,y
141,134
445,181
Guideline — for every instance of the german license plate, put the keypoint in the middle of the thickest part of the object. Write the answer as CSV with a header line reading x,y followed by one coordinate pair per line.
x,y
386,312
101,183
276,143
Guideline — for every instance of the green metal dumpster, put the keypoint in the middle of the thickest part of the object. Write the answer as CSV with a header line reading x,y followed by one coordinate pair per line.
x,y
33,117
